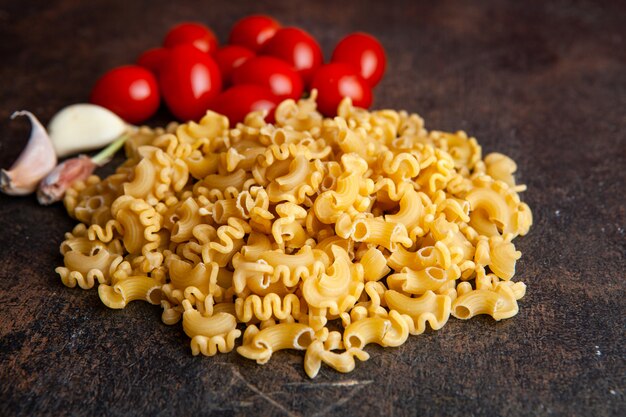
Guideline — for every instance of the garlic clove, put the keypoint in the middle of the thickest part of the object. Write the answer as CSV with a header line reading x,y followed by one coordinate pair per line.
x,y
53,186
83,127
36,160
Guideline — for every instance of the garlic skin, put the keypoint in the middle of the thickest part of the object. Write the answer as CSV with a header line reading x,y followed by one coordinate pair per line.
x,y
83,127
35,162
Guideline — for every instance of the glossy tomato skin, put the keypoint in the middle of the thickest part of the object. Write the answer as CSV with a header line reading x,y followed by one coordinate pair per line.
x,y
297,48
190,80
192,33
253,32
230,57
335,81
365,53
270,72
152,59
129,91
239,100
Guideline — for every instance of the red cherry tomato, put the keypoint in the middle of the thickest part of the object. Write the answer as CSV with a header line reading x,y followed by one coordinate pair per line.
x,y
189,80
297,48
152,59
236,102
129,91
253,31
271,72
193,33
230,57
365,53
334,82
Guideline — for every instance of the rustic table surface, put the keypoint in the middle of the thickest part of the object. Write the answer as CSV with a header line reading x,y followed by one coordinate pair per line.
x,y
542,82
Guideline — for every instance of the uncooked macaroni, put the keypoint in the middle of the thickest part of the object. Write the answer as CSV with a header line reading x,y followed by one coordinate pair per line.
x,y
256,236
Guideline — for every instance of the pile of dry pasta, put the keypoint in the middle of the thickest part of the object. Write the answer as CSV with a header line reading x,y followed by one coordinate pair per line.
x,y
276,229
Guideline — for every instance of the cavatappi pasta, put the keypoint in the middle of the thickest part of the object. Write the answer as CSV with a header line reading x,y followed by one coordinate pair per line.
x,y
256,236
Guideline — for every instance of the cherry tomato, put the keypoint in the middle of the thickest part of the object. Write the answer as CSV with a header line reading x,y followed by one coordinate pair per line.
x,y
297,48
152,59
236,102
253,31
129,91
230,57
271,72
193,33
189,80
334,82
365,53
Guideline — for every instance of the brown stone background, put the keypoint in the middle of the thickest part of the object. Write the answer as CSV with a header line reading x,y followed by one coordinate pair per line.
x,y
544,82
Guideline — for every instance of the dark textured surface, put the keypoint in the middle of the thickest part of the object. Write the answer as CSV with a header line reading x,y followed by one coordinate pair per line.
x,y
544,83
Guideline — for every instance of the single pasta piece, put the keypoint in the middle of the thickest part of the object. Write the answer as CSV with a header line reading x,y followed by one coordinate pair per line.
x,y
429,308
500,303
130,289
260,344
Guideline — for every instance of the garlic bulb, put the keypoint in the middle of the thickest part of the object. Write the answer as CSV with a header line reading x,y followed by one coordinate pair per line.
x,y
34,163
83,127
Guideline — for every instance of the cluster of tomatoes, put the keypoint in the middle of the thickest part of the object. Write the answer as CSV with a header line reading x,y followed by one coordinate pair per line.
x,y
262,64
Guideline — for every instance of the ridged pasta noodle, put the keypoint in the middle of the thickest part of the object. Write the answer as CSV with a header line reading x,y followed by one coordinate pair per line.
x,y
258,236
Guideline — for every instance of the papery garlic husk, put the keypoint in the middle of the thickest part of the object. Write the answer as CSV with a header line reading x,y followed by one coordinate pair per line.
x,y
84,127
35,162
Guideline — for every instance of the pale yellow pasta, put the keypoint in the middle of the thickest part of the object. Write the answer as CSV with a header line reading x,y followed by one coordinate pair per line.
x,y
209,346
500,167
499,206
260,344
257,244
202,165
499,303
502,257
379,232
130,289
365,331
426,256
263,237
189,218
184,274
374,265
298,170
418,282
429,308
412,213
465,152
344,362
340,288
195,324
271,305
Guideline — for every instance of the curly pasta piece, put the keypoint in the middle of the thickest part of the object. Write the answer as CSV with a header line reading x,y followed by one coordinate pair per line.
x,y
339,289
418,282
501,167
209,346
342,362
496,209
267,307
429,308
500,303
260,344
130,289
374,265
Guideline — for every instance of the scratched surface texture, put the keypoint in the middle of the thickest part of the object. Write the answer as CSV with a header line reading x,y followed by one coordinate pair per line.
x,y
544,82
